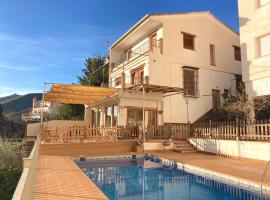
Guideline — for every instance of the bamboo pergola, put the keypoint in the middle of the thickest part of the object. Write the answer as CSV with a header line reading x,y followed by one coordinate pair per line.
x,y
77,94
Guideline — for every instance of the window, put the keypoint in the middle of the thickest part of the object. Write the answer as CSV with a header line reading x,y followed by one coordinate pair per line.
x,y
154,40
264,45
238,83
263,2
129,54
237,53
190,77
118,81
137,76
134,116
188,41
212,55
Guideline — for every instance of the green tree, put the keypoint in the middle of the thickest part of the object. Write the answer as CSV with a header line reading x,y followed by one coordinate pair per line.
x,y
238,106
71,112
94,73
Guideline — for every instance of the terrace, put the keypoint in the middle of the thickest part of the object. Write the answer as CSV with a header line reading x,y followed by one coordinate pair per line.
x,y
234,152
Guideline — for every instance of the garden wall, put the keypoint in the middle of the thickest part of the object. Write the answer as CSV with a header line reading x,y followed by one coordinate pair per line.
x,y
246,149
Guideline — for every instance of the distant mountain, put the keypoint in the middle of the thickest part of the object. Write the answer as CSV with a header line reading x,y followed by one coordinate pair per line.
x,y
20,103
8,98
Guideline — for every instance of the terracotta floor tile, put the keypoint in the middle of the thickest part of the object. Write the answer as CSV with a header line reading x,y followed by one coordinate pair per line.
x,y
60,178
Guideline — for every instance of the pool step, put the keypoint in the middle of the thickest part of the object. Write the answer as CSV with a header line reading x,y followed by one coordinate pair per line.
x,y
183,146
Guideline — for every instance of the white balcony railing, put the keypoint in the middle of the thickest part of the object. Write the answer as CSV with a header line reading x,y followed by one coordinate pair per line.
x,y
130,55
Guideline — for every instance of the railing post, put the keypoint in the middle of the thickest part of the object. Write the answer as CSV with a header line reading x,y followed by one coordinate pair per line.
x,y
189,130
237,129
210,129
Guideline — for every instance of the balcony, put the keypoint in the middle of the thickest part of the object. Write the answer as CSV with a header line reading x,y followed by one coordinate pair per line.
x,y
129,56
128,81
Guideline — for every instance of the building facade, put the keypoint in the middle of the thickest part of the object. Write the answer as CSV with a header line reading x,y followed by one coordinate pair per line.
x,y
49,110
174,67
255,45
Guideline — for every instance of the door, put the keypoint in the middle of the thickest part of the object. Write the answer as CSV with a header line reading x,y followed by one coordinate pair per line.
x,y
152,118
216,100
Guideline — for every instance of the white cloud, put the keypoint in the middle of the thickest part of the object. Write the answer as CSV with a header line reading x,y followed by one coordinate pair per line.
x,y
17,67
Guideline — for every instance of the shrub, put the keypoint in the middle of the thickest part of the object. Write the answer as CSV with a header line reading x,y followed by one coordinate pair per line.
x,y
10,167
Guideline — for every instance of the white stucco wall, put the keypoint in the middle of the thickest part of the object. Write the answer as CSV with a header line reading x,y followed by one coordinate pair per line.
x,y
254,23
166,68
245,149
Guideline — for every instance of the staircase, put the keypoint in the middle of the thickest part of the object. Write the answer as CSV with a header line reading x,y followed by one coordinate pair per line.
x,y
183,146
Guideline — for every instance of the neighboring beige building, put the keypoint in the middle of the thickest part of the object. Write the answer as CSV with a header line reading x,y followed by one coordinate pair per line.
x,y
255,45
49,110
169,55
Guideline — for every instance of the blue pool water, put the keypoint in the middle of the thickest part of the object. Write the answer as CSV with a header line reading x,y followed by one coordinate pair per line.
x,y
127,179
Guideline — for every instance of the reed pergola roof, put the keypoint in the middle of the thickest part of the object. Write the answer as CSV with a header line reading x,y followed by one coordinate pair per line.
x,y
77,94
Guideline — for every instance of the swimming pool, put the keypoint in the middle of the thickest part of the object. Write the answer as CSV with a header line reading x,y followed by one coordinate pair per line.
x,y
137,179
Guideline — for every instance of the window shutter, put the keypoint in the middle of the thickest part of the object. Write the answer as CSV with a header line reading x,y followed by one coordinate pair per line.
x,y
190,82
188,41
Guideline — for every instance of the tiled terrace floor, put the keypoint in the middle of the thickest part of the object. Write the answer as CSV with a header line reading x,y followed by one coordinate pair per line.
x,y
248,169
59,178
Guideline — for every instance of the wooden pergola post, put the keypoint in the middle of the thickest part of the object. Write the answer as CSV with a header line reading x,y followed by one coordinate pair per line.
x,y
96,115
112,117
103,116
87,114
90,116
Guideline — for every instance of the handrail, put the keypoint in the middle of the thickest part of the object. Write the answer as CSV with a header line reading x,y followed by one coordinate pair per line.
x,y
262,178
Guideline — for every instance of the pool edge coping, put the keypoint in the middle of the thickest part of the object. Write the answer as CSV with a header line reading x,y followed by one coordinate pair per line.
x,y
218,176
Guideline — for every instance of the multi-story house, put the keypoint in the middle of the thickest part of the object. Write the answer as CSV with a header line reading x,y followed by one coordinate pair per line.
x,y
255,45
192,51
174,67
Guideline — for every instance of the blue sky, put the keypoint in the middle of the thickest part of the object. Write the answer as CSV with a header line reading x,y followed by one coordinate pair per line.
x,y
48,40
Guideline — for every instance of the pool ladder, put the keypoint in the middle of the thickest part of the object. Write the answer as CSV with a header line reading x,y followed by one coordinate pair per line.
x,y
262,178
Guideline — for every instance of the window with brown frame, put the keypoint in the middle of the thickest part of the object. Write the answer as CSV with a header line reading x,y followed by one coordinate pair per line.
x,y
135,116
129,54
188,41
118,81
154,40
212,55
237,53
190,77
137,76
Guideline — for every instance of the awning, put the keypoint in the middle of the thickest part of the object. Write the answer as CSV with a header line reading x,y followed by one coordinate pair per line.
x,y
77,94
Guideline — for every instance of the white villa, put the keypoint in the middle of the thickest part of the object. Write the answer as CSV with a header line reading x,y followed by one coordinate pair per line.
x,y
173,66
255,45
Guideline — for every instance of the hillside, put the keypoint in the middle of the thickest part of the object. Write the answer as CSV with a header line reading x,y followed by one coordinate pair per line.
x,y
20,103
11,128
8,98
